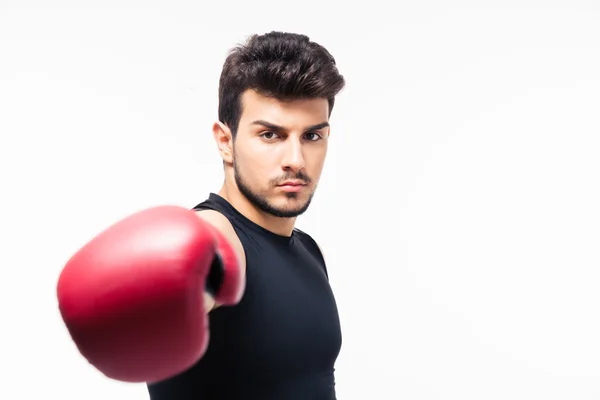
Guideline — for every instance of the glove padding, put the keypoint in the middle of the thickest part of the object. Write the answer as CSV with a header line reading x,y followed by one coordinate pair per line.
x,y
132,298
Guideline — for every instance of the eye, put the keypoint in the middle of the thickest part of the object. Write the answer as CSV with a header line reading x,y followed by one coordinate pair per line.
x,y
313,136
269,135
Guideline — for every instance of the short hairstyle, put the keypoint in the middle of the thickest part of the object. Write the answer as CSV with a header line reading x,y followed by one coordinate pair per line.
x,y
281,65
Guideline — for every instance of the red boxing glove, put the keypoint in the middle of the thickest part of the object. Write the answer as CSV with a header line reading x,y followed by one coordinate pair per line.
x,y
132,298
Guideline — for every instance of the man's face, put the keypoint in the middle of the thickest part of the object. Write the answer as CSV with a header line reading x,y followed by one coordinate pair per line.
x,y
279,152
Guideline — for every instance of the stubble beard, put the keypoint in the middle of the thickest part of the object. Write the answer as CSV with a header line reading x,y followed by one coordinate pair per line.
x,y
262,203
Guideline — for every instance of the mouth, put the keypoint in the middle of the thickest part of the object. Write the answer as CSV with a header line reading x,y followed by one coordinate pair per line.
x,y
292,186
293,183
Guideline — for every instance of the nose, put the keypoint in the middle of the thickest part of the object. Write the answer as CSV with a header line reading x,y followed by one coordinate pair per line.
x,y
293,159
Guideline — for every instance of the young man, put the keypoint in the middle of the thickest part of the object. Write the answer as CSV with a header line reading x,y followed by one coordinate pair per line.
x,y
228,300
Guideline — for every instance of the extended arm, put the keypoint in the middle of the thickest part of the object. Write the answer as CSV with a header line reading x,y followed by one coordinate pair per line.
x,y
227,233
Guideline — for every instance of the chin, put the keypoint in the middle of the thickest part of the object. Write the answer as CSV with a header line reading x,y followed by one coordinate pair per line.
x,y
286,205
289,206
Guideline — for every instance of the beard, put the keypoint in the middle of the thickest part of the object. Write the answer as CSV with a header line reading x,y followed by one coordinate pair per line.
x,y
263,203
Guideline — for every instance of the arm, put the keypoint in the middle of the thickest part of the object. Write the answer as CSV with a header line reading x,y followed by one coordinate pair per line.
x,y
222,224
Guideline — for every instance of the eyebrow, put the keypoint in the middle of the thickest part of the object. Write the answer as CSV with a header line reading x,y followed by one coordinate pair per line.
x,y
279,128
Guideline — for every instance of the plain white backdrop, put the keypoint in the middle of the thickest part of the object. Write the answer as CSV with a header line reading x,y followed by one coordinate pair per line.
x,y
459,210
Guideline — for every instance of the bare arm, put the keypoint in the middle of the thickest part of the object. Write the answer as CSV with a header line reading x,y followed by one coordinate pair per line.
x,y
220,222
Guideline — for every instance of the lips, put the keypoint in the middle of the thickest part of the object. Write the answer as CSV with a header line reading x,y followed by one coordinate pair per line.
x,y
292,184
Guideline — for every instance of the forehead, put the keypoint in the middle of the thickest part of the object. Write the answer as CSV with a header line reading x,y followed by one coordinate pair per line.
x,y
295,113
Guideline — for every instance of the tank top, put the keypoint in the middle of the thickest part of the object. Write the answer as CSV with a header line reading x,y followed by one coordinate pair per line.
x,y
283,338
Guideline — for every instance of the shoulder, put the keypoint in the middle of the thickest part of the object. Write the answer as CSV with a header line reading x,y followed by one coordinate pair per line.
x,y
306,238
310,241
222,223
214,217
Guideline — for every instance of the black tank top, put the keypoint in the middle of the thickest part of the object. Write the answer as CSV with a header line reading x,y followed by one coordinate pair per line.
x,y
283,338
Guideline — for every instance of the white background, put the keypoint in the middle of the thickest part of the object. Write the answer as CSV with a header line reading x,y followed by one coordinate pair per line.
x,y
459,211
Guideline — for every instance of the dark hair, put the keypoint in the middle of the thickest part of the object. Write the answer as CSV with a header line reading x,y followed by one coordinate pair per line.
x,y
285,66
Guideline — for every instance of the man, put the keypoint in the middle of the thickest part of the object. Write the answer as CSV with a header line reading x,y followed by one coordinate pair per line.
x,y
233,302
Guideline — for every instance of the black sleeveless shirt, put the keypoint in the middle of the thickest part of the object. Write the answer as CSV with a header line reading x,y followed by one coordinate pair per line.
x,y
283,338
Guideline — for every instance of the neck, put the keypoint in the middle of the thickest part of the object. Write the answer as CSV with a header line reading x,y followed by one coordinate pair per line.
x,y
279,226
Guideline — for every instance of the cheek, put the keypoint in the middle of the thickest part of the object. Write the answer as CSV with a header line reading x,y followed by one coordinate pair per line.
x,y
253,166
266,158
317,160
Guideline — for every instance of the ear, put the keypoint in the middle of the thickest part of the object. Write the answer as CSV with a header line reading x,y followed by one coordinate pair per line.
x,y
224,139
